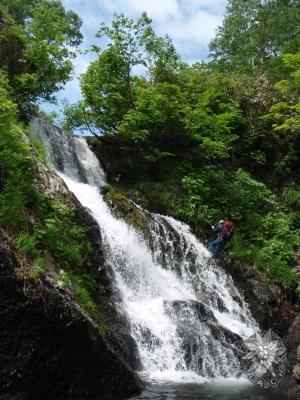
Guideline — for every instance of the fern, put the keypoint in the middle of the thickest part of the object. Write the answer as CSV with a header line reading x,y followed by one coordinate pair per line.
x,y
25,243
291,195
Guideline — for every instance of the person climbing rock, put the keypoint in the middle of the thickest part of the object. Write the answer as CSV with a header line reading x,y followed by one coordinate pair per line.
x,y
224,232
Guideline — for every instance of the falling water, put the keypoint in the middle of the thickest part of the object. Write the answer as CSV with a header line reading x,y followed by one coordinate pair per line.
x,y
186,316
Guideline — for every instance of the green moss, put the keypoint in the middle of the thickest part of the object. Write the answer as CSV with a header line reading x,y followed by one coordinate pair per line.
x,y
60,232
126,209
102,329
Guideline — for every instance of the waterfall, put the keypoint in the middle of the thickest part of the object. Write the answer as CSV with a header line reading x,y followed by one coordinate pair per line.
x,y
186,316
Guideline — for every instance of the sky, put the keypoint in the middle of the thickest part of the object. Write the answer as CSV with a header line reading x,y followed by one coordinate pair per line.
x,y
191,24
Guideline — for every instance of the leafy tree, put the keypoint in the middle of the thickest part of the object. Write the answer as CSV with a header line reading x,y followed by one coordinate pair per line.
x,y
36,47
109,85
255,33
285,117
163,62
138,45
154,129
287,113
211,116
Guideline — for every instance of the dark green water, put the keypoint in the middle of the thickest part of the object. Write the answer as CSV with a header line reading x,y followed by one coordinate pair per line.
x,y
210,391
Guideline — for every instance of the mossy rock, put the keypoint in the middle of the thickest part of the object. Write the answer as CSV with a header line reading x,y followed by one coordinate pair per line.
x,y
126,209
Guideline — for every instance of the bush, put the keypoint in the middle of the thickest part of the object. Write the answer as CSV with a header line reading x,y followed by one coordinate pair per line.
x,y
262,258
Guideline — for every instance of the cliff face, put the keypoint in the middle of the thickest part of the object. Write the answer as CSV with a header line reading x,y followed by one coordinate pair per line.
x,y
50,346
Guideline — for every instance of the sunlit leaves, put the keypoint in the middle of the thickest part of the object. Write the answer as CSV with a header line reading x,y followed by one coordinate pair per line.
x,y
37,41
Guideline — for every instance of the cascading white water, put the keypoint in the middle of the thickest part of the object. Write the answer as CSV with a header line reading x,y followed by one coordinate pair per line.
x,y
185,314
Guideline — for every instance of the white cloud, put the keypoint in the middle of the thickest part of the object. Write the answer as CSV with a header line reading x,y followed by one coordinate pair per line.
x,y
82,62
159,10
199,28
213,6
190,23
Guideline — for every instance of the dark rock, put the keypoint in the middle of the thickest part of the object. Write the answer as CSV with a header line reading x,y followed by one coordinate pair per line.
x,y
269,307
50,348
178,308
265,300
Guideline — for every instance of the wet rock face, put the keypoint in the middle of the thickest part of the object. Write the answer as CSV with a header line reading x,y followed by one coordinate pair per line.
x,y
49,348
194,341
266,301
296,370
271,311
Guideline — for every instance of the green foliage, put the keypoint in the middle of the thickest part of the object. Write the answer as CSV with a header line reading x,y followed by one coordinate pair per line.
x,y
84,286
25,243
193,122
38,268
284,116
109,85
264,235
287,113
233,194
60,233
291,195
254,35
37,146
211,116
18,166
277,270
138,45
156,122
36,47
106,86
